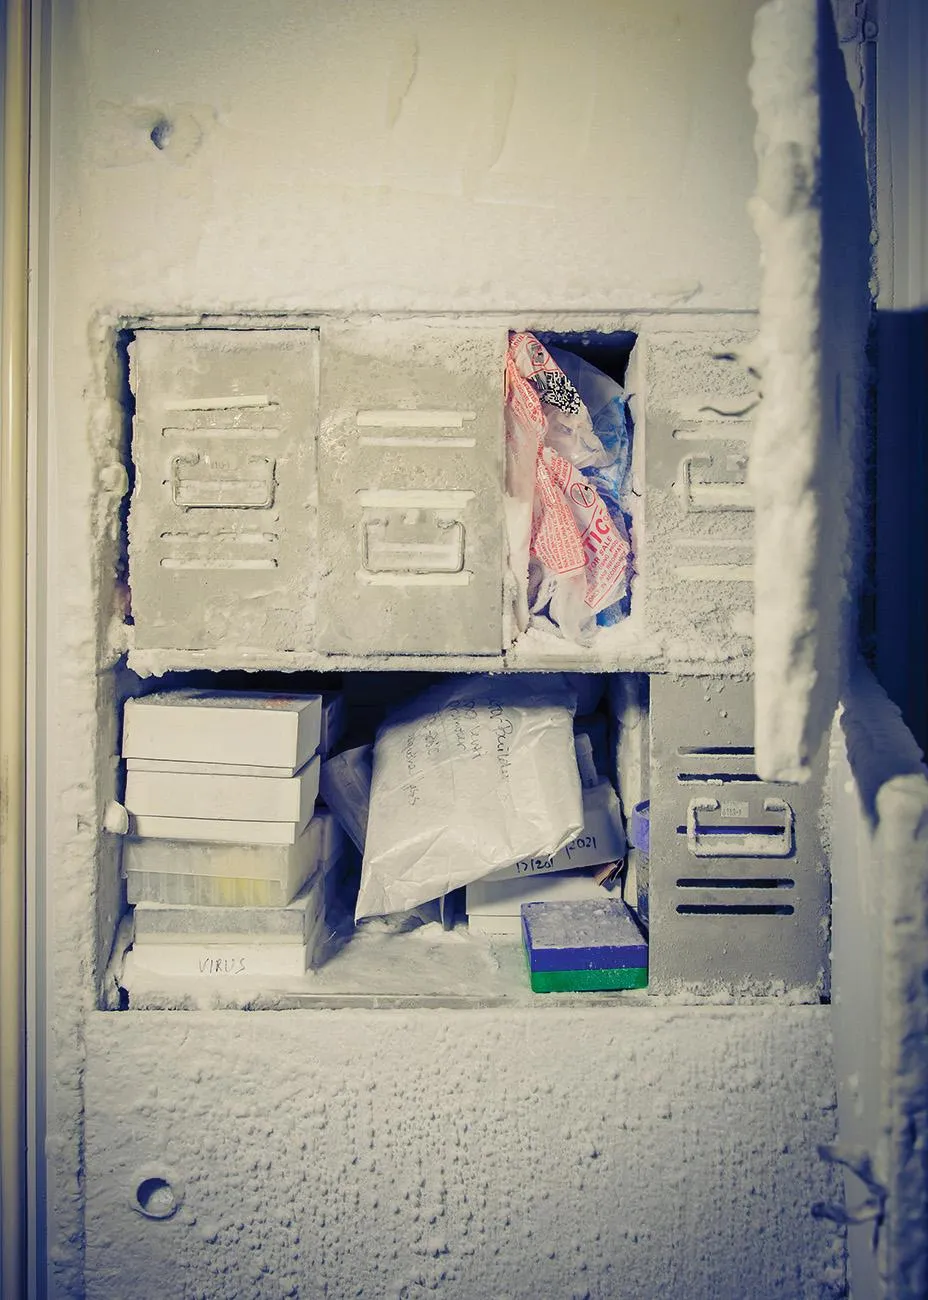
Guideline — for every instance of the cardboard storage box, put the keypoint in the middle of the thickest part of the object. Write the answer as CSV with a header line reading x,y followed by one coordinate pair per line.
x,y
215,728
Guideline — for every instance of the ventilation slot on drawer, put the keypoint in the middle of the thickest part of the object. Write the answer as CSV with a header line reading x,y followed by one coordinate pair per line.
x,y
715,778
402,428
230,402
706,431
214,431
718,882
735,909
685,751
725,829
219,550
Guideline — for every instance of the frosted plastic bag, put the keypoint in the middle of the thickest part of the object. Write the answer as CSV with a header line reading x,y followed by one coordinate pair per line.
x,y
605,403
345,787
476,773
572,568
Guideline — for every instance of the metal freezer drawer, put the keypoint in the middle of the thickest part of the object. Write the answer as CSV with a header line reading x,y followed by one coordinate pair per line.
x,y
221,527
739,893
697,430
410,489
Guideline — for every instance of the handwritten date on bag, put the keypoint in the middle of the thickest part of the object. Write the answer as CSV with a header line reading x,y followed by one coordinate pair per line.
x,y
529,866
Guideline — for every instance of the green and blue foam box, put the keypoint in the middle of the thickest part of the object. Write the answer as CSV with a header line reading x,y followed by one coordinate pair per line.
x,y
581,946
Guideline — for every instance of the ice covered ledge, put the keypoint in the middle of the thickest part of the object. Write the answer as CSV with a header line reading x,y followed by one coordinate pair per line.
x,y
582,1152
428,968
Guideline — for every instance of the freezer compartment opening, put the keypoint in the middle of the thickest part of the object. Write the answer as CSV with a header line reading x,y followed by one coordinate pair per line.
x,y
608,350
371,838
246,828
575,527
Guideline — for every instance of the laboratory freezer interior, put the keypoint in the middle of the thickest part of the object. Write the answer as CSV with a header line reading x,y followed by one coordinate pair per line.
x,y
378,542
273,365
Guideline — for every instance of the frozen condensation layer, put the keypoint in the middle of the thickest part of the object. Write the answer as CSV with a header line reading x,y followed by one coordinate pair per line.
x,y
138,226
879,745
880,985
441,969
786,216
902,845
475,1156
436,967
413,170
813,321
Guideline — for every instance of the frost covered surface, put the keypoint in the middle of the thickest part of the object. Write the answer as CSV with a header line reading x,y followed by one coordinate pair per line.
x,y
811,214
408,175
377,965
426,967
880,748
880,871
396,190
593,927
599,1154
83,893
902,841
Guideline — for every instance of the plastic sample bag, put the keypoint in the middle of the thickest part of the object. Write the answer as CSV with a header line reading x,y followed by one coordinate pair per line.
x,y
475,774
566,479
345,787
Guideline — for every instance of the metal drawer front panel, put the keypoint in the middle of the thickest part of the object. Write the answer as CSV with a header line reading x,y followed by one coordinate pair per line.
x,y
410,489
221,528
738,879
700,542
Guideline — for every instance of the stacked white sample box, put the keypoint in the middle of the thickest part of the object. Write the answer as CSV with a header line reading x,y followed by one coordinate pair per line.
x,y
225,861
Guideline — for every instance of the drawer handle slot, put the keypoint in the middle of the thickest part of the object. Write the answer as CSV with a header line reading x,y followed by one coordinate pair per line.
x,y
704,486
739,841
205,482
415,541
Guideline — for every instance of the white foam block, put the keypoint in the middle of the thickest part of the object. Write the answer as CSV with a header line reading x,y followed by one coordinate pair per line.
x,y
510,926
250,729
212,769
505,897
227,962
292,924
208,891
246,860
213,831
215,797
